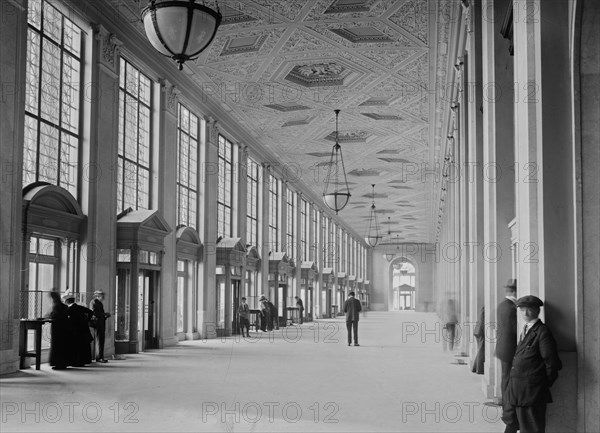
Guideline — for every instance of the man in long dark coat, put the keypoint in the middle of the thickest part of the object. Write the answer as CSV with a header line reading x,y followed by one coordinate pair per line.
x,y
506,342
352,308
534,369
60,332
479,333
79,316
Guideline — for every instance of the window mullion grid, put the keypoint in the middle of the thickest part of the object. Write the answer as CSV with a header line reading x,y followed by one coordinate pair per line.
x,y
60,100
39,100
137,139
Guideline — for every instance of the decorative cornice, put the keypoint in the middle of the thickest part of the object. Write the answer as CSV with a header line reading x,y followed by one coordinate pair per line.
x,y
110,48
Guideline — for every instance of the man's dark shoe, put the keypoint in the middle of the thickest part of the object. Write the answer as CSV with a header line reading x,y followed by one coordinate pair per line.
x,y
102,360
356,344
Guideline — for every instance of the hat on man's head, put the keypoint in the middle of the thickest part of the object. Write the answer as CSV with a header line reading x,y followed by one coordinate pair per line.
x,y
98,292
68,296
351,294
511,284
262,298
529,301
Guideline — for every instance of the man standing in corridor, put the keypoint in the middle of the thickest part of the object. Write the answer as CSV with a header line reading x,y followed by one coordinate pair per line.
x,y
534,370
506,343
352,309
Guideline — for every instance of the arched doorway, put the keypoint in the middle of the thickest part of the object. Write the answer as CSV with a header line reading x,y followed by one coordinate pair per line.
x,y
403,275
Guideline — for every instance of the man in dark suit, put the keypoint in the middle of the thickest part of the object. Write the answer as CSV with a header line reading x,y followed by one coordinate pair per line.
x,y
534,369
100,322
352,309
506,343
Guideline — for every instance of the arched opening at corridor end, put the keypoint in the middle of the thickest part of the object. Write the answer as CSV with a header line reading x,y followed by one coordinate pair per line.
x,y
402,284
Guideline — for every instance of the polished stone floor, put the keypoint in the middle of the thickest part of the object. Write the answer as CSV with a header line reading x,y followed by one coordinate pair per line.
x,y
300,378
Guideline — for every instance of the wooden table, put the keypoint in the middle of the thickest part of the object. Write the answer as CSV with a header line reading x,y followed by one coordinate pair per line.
x,y
36,326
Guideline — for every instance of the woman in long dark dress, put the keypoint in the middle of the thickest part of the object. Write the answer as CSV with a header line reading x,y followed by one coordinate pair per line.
x,y
60,332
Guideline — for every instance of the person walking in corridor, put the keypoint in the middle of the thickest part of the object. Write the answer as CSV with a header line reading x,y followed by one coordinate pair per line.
x,y
534,369
450,320
506,343
352,309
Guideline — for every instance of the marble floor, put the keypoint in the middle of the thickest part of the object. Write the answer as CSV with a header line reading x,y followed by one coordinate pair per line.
x,y
301,378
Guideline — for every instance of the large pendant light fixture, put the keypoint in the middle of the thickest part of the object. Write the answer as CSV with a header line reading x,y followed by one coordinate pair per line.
x,y
336,194
180,29
373,236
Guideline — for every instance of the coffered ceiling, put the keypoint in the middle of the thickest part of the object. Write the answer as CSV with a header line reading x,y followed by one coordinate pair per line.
x,y
280,68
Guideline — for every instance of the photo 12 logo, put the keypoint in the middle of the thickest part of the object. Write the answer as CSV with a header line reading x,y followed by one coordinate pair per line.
x,y
69,412
269,411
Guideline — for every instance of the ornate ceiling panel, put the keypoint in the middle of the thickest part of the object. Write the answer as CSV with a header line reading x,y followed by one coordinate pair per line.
x,y
280,68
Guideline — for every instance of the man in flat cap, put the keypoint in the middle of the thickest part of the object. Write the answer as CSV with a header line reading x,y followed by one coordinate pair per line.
x,y
506,332
100,322
534,369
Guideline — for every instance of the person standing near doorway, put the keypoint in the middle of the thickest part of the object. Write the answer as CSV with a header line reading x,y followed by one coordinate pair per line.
x,y
352,309
79,318
300,306
506,343
61,344
534,369
99,322
244,313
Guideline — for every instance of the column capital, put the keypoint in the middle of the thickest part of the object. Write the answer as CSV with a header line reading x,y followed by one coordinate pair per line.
x,y
110,48
171,93
212,126
467,13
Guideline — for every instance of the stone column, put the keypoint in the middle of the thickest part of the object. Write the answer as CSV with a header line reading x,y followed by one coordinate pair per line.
x,y
498,175
546,183
167,205
13,33
208,228
100,203
473,170
587,136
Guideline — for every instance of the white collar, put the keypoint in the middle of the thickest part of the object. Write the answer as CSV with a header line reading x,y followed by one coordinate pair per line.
x,y
531,323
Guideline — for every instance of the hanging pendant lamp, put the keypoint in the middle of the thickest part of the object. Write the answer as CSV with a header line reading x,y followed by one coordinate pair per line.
x,y
389,256
336,194
180,29
373,237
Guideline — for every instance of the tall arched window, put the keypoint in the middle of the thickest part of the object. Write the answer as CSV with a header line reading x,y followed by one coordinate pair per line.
x,y
52,98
